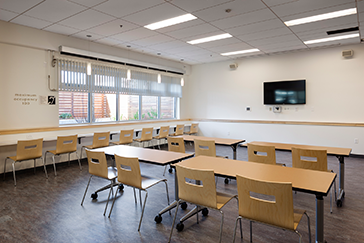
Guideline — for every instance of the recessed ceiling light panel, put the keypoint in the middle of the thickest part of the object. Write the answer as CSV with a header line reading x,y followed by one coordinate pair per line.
x,y
342,37
208,39
169,22
239,52
320,17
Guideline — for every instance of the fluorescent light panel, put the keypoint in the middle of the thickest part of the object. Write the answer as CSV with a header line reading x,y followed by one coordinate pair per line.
x,y
169,22
239,52
320,17
331,39
208,39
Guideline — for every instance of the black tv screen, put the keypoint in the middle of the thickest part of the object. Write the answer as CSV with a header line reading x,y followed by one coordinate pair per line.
x,y
291,92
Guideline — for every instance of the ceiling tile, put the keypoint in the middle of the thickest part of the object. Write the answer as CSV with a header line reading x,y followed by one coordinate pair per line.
x,y
256,27
197,30
113,27
338,42
108,41
311,7
285,48
83,35
169,45
265,34
271,3
278,40
54,10
87,19
123,8
223,42
321,33
7,15
61,29
233,47
88,3
236,7
181,26
31,22
134,34
193,5
18,6
153,40
248,18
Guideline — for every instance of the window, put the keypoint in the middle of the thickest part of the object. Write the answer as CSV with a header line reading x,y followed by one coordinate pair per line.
x,y
108,96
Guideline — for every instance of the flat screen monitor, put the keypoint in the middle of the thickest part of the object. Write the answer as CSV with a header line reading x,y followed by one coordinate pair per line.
x,y
291,92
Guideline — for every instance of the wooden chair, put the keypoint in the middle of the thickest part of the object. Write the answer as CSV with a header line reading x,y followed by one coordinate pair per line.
x,y
97,166
255,154
129,175
205,147
27,150
147,136
175,144
312,159
163,134
193,129
100,139
269,203
203,194
126,137
179,130
65,145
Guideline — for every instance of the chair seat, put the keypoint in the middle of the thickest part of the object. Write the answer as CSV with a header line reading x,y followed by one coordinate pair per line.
x,y
14,158
281,164
159,137
120,143
297,216
149,181
112,173
55,153
140,140
222,199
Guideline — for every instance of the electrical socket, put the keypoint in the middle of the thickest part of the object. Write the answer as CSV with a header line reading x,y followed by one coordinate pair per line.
x,y
356,140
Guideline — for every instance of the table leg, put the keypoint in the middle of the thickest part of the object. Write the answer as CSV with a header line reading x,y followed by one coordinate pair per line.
x,y
234,146
319,219
339,201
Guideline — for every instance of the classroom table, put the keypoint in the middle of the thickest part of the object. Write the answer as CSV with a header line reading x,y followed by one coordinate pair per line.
x,y
233,143
307,181
340,153
151,156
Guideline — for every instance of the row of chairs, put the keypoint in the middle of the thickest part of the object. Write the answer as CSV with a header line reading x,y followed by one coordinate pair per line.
x,y
33,149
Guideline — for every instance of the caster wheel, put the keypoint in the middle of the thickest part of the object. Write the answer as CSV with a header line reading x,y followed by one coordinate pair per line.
x,y
339,203
121,187
205,212
158,219
170,170
94,195
226,181
180,227
184,206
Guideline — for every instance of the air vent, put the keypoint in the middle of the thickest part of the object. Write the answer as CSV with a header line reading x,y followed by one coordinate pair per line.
x,y
333,32
348,53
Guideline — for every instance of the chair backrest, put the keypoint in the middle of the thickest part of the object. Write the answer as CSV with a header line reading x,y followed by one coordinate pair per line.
x,y
66,144
194,128
309,159
126,136
147,134
203,194
205,147
176,144
97,163
266,202
179,129
29,149
269,158
101,139
163,132
128,171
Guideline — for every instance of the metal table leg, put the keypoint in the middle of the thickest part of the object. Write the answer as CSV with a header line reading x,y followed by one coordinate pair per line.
x,y
319,219
341,194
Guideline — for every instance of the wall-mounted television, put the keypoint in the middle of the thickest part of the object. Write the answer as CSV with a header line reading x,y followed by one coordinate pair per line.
x,y
292,92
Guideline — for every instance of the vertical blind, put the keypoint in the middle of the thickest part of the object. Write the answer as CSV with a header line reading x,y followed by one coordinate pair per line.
x,y
72,77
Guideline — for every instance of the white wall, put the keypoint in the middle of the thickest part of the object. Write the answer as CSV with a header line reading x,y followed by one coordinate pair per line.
x,y
334,94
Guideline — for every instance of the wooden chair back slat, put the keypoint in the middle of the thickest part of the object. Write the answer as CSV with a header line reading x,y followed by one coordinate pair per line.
x,y
253,155
179,129
316,159
126,136
101,139
66,144
147,134
128,171
176,144
29,149
205,147
97,163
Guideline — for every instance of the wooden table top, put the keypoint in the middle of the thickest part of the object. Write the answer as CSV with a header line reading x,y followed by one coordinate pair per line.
x,y
309,181
153,156
219,141
288,146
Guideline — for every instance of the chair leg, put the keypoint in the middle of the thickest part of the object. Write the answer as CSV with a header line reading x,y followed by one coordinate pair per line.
x,y
165,182
5,168
174,220
236,224
54,165
299,235
221,225
251,231
45,169
134,195
86,190
13,164
141,216
309,227
140,197
79,162
113,202
165,168
108,198
34,166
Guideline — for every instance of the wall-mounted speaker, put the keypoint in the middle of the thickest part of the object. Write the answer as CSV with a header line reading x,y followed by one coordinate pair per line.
x,y
348,53
233,66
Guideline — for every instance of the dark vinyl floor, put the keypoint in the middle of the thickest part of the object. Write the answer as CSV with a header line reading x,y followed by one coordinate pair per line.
x,y
40,210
